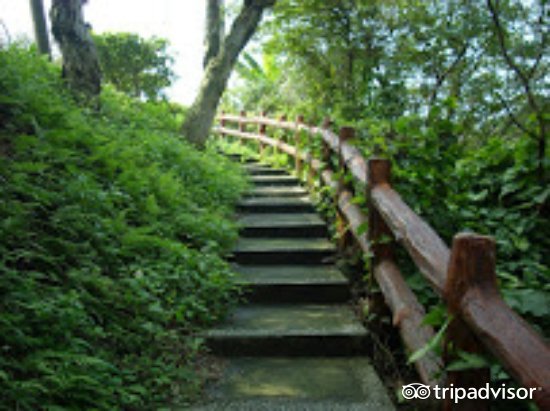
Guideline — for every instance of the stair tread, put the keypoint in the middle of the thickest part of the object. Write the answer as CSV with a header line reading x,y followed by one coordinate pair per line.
x,y
254,169
275,321
283,245
286,191
289,274
274,201
280,220
261,165
297,384
273,179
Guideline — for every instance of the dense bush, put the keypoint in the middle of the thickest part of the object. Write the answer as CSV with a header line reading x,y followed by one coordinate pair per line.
x,y
112,233
490,187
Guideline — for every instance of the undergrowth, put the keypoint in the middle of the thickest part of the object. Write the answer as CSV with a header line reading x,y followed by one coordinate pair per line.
x,y
112,237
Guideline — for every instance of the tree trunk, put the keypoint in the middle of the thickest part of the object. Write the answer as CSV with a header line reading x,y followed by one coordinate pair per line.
x,y
40,27
201,113
214,30
80,59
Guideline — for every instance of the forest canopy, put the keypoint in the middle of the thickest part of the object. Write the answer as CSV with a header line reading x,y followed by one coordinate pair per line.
x,y
481,65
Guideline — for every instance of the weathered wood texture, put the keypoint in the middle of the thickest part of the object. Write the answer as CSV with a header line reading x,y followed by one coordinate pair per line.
x,y
458,336
471,292
425,247
408,315
466,279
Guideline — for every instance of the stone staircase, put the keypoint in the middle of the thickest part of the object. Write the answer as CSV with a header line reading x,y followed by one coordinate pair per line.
x,y
296,344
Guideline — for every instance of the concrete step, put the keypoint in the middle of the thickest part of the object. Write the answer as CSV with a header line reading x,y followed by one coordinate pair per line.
x,y
290,225
241,159
276,205
277,180
293,283
283,251
289,329
292,191
259,169
297,384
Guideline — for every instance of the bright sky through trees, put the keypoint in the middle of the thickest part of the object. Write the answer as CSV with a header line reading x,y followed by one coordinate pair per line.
x,y
180,21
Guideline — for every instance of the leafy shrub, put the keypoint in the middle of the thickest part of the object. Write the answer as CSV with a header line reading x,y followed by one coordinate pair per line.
x,y
112,234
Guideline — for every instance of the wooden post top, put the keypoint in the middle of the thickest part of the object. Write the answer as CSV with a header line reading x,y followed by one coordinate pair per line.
x,y
378,171
472,265
346,133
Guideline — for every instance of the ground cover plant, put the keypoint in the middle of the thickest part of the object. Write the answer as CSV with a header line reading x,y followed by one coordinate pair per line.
x,y
112,237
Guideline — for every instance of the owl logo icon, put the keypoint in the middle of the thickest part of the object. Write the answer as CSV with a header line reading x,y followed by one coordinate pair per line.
x,y
415,391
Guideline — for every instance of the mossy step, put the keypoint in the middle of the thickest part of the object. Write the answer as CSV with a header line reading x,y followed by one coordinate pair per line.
x,y
280,219
255,169
270,180
293,283
297,384
282,225
242,159
276,191
289,329
289,274
283,250
276,205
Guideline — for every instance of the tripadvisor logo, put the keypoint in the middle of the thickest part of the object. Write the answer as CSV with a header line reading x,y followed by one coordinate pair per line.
x,y
422,392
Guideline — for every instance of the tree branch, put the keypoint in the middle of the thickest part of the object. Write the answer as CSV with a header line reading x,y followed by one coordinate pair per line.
x,y
523,78
514,118
440,79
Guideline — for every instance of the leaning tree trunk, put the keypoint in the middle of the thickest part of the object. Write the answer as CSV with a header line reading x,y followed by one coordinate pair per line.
x,y
40,27
201,113
214,30
80,59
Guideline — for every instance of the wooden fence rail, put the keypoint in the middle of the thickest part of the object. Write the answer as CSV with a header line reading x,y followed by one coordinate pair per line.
x,y
463,276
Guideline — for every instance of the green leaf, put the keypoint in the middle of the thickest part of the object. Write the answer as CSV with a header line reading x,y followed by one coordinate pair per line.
x,y
362,228
467,361
431,345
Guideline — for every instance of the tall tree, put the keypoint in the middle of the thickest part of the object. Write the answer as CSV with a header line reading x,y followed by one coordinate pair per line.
x,y
201,113
40,27
214,29
80,59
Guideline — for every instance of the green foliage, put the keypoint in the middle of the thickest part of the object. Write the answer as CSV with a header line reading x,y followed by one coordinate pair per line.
x,y
112,233
460,111
433,345
136,66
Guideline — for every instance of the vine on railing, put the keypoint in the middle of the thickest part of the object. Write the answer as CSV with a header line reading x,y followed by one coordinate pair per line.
x,y
463,276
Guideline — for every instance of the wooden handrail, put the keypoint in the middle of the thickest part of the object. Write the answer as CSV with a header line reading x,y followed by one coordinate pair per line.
x,y
425,247
461,276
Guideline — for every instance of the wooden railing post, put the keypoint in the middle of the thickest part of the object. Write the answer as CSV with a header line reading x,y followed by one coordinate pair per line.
x,y
325,152
262,131
297,144
344,236
242,124
472,265
277,136
309,159
222,125
379,235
